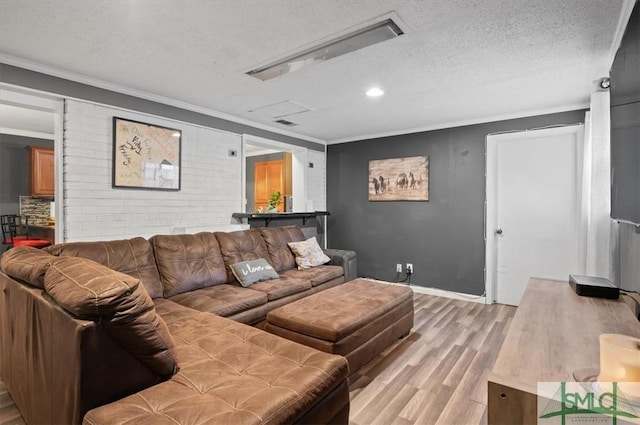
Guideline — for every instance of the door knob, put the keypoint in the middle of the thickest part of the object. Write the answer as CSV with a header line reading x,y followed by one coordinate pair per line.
x,y
499,232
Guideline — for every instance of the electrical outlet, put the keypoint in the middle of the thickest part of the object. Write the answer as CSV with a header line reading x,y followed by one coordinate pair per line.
x,y
398,268
409,268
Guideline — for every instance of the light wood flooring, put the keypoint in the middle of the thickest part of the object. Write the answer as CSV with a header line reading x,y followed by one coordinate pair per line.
x,y
9,414
436,375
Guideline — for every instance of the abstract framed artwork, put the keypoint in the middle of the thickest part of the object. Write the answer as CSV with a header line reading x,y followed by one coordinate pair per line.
x,y
145,156
399,179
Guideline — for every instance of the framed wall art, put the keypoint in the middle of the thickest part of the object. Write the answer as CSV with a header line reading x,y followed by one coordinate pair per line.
x,y
145,156
399,179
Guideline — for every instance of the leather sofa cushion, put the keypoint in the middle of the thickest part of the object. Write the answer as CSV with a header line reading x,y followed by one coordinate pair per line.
x,y
223,300
242,245
130,256
119,303
340,311
231,374
188,262
276,239
27,264
282,287
317,275
171,311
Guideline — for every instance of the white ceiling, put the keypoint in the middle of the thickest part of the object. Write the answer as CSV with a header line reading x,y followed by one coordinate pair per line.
x,y
460,61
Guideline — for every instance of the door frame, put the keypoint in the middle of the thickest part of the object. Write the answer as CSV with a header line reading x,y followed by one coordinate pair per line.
x,y
490,221
298,169
37,100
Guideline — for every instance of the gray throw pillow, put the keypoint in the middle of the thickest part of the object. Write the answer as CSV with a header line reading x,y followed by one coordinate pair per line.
x,y
250,272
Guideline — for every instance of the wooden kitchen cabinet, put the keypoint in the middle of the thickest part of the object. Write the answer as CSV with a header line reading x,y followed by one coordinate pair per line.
x,y
41,171
272,176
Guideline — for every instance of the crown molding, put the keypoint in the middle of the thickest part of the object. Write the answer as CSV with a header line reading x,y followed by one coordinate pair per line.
x,y
623,21
106,85
462,123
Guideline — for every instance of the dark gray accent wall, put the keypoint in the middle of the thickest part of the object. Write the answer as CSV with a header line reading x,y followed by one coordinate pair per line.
x,y
625,153
444,237
14,170
628,257
625,125
48,83
251,175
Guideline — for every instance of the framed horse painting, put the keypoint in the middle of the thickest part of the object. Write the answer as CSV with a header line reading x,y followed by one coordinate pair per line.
x,y
399,179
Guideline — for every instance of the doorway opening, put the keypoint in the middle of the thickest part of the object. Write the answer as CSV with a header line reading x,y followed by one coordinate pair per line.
x,y
270,167
31,133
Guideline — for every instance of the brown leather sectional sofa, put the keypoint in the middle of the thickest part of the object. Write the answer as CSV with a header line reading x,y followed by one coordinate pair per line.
x,y
84,329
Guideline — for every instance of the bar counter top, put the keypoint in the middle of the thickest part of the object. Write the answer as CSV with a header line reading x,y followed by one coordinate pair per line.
x,y
279,215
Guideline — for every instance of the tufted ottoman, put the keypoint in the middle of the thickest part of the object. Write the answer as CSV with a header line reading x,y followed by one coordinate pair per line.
x,y
357,320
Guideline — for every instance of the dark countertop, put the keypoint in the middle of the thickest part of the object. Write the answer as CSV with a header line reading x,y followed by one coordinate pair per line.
x,y
280,215
252,218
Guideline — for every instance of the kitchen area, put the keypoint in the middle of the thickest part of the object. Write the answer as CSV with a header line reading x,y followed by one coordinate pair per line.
x,y
27,171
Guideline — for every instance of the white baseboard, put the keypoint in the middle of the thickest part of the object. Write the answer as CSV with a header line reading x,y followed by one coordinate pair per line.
x,y
482,299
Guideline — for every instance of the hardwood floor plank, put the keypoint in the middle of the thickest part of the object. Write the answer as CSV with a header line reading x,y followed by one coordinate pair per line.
x,y
399,420
431,411
365,398
388,364
415,405
373,409
391,410
456,344
462,412
460,368
9,415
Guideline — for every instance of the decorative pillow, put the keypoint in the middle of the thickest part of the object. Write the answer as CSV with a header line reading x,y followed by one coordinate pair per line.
x,y
250,272
308,253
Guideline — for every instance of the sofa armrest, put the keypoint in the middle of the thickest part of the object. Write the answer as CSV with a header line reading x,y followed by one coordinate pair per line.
x,y
345,258
57,367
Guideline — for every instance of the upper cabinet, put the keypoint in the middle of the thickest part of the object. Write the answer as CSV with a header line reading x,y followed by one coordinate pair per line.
x,y
272,176
41,171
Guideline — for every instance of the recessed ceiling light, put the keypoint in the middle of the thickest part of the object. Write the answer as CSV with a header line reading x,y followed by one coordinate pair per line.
x,y
374,92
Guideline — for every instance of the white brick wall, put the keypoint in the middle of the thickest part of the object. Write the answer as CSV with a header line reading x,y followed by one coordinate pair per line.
x,y
317,180
210,187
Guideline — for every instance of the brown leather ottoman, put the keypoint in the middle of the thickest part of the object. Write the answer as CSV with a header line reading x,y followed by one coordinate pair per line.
x,y
357,319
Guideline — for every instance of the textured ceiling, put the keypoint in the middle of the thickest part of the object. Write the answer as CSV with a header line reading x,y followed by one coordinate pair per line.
x,y
460,61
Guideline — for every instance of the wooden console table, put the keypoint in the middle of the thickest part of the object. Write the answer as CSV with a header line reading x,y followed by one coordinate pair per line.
x,y
553,333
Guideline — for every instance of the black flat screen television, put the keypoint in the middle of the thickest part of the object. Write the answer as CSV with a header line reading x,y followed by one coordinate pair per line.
x,y
625,125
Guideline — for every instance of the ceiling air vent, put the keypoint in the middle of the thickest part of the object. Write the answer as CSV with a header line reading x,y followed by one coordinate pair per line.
x,y
350,42
287,123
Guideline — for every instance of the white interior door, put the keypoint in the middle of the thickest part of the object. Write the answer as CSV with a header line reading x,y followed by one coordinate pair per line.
x,y
532,208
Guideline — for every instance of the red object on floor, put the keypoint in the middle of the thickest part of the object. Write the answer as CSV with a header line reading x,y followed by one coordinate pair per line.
x,y
21,241
10,226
